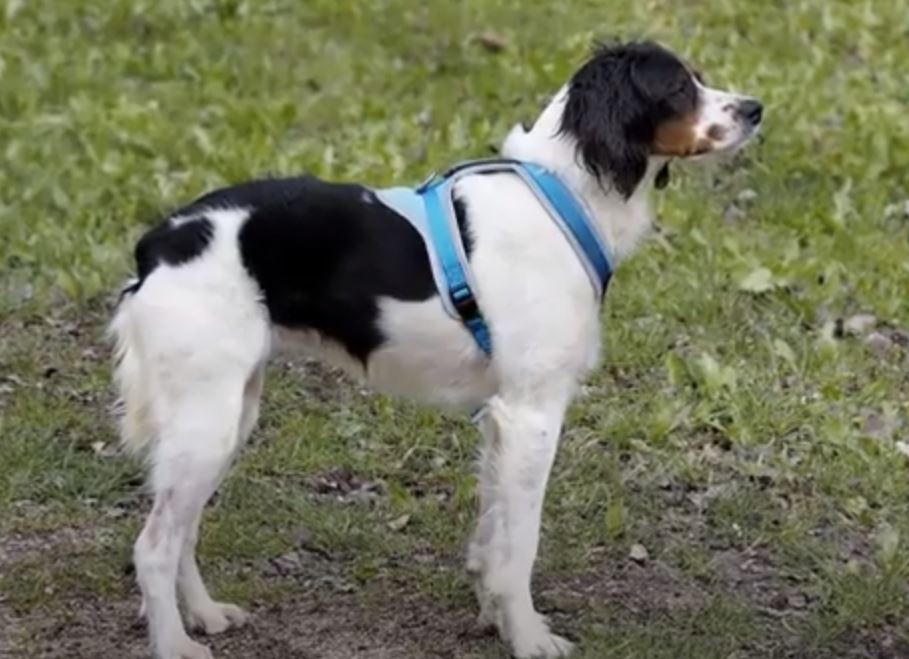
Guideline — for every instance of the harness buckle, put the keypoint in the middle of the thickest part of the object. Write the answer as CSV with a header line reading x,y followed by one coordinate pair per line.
x,y
464,302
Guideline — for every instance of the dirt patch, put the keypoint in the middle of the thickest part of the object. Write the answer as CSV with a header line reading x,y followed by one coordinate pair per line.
x,y
751,574
344,485
21,547
644,590
330,627
871,644
11,630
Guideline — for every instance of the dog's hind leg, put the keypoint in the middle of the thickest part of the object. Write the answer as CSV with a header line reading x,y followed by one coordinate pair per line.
x,y
202,611
196,445
196,392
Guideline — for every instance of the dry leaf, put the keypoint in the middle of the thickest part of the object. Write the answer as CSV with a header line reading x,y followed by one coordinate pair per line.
x,y
493,41
399,523
859,324
638,553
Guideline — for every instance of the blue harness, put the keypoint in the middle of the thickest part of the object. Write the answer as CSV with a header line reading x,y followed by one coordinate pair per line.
x,y
430,209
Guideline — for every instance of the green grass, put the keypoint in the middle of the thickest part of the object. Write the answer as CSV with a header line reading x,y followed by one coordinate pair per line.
x,y
731,429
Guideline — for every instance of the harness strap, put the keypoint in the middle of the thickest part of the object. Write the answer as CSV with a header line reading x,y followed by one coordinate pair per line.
x,y
574,221
563,206
450,249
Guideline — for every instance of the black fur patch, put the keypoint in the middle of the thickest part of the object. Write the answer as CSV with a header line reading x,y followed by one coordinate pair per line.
x,y
324,253
175,245
460,211
171,244
615,103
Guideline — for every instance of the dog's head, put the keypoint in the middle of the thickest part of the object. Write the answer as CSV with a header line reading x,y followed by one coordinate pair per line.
x,y
635,101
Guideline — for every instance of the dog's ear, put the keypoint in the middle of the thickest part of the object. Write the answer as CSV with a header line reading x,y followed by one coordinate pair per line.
x,y
662,177
647,76
602,115
657,75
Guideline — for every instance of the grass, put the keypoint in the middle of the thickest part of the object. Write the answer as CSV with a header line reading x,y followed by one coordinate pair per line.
x,y
733,430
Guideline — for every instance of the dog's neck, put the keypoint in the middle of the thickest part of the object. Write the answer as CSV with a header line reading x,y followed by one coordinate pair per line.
x,y
622,222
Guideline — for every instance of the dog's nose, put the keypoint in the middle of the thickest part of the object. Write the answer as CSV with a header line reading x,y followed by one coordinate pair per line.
x,y
752,111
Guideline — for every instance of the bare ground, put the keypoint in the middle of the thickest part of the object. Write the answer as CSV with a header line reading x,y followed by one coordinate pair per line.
x,y
324,617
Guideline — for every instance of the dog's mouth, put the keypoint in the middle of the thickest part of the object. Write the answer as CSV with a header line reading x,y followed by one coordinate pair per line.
x,y
745,134
728,124
727,141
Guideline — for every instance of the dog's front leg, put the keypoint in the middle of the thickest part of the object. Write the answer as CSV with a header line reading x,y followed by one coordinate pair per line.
x,y
521,437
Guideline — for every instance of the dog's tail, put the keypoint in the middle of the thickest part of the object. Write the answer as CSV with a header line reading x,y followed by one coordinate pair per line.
x,y
131,377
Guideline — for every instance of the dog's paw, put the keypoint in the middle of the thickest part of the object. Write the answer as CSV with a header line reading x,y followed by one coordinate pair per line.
x,y
542,645
216,617
533,640
189,649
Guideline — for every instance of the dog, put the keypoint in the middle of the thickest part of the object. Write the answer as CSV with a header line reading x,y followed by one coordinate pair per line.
x,y
320,267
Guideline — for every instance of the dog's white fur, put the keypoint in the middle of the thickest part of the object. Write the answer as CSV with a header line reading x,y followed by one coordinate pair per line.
x,y
193,342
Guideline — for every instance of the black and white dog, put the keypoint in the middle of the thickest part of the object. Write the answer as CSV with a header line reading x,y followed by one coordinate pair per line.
x,y
225,281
